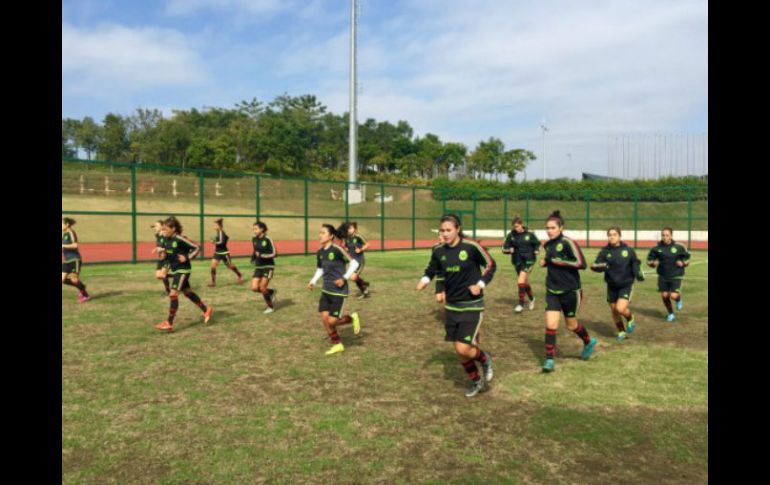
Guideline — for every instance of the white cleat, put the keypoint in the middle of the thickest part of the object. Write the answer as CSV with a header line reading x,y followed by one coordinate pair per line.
x,y
268,310
518,309
532,304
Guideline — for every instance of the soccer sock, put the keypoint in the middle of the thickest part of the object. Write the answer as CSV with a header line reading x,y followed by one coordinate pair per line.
x,y
363,281
195,299
81,287
550,343
481,356
628,315
667,302
529,293
360,284
213,275
172,308
266,297
522,292
69,282
471,370
166,285
621,327
335,337
235,270
343,320
583,334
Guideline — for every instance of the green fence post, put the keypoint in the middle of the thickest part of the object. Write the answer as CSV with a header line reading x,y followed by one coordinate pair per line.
x,y
414,214
257,196
443,203
306,217
636,217
689,219
202,221
527,210
505,213
474,215
133,213
382,217
588,218
347,200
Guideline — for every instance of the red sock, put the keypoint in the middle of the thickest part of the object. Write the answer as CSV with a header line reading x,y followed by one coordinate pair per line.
x,y
172,308
550,343
529,293
344,320
268,300
621,327
334,336
471,369
522,292
481,356
667,302
583,334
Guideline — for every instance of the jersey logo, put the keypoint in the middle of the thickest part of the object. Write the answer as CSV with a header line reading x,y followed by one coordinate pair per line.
x,y
625,253
526,238
443,258
673,250
609,255
331,256
559,247
173,244
463,255
355,240
468,338
264,243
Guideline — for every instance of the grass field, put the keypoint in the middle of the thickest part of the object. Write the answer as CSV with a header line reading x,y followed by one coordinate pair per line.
x,y
251,398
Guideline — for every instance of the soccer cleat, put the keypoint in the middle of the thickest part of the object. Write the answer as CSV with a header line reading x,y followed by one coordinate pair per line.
x,y
670,317
268,310
518,308
679,304
165,326
621,336
632,326
532,304
83,299
488,371
207,314
211,284
356,323
240,280
366,289
476,387
548,365
336,348
272,296
588,349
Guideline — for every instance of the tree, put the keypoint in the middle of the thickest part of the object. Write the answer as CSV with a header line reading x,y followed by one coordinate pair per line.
x,y
88,135
114,144
516,161
487,157
69,146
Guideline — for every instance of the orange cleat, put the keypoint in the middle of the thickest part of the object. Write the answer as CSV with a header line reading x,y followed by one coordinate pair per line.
x,y
207,314
165,326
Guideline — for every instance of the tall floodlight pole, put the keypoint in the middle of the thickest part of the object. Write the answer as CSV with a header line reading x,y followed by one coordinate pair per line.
x,y
352,155
544,128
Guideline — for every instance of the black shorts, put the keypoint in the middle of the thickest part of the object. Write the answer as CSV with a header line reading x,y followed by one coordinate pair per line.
x,y
162,263
223,257
332,304
71,267
614,293
263,273
526,266
463,326
180,281
567,302
669,286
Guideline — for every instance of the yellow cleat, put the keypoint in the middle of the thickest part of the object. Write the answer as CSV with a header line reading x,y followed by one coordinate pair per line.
x,y
356,323
336,348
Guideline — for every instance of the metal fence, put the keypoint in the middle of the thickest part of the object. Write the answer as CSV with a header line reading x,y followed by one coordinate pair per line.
x,y
116,203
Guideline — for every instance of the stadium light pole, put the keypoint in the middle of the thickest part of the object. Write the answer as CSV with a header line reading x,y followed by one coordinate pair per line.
x,y
352,137
544,128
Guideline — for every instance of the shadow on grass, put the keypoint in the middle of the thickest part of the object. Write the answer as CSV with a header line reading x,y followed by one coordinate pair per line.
x,y
604,329
106,294
453,371
658,313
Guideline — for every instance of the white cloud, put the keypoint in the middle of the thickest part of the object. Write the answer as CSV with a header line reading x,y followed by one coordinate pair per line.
x,y
99,61
265,8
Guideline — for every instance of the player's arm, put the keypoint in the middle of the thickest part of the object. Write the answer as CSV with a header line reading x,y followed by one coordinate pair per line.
x,y
600,265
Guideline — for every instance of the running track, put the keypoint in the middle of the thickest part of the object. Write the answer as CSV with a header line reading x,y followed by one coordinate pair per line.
x,y
114,252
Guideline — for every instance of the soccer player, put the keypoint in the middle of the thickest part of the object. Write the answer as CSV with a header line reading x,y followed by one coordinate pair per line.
x,y
356,245
460,261
221,253
179,252
563,294
621,267
670,259
331,262
70,267
262,257
161,267
523,246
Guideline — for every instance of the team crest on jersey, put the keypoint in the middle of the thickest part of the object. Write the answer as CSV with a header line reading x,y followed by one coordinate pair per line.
x,y
673,250
463,255
559,247
625,253
264,243
173,244
609,255
331,256
443,258
526,238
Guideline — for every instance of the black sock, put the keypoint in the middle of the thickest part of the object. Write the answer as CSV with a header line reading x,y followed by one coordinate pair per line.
x,y
173,307
471,370
583,334
481,356
213,275
266,297
667,302
550,343
81,287
195,299
166,285
522,292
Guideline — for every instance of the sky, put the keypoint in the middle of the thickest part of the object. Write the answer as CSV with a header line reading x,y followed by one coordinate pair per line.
x,y
465,70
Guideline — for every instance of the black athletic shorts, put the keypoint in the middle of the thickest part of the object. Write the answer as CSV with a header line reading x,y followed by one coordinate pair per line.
x,y
223,257
670,286
71,267
567,302
463,326
614,293
162,263
332,304
263,273
180,281
526,266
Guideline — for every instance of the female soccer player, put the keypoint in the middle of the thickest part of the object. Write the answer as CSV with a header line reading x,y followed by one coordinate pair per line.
x,y
221,253
356,244
460,261
161,267
523,246
331,261
621,267
670,259
264,264
179,252
563,259
70,267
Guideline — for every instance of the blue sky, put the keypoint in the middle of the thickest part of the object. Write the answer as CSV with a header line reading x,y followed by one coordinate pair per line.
x,y
462,69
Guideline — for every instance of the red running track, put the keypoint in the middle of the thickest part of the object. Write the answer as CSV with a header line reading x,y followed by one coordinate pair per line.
x,y
114,252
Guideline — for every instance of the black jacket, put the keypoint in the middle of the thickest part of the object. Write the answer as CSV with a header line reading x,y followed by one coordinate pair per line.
x,y
525,246
668,255
619,264
460,266
564,258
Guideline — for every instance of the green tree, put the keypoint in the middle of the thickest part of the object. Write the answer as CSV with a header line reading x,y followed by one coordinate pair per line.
x,y
114,143
88,135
